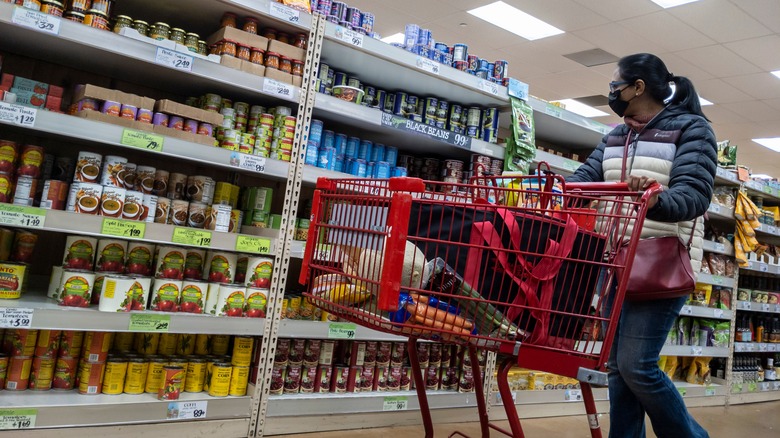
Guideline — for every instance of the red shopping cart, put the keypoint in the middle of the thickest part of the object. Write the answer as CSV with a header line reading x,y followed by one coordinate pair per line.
x,y
528,275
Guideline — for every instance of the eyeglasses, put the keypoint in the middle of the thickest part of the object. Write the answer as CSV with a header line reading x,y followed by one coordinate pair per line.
x,y
614,84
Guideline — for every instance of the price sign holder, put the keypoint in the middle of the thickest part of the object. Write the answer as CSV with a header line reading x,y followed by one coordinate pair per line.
x,y
341,330
252,163
193,410
402,124
276,88
349,36
518,89
284,13
16,419
142,140
149,322
709,391
397,403
173,59
428,65
254,245
686,310
572,395
191,236
17,114
19,216
16,317
36,20
123,228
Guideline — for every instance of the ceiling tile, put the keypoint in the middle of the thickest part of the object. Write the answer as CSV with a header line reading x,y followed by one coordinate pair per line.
x,y
754,110
682,66
618,40
718,60
774,103
764,11
667,31
720,20
619,9
720,114
759,85
764,52
718,91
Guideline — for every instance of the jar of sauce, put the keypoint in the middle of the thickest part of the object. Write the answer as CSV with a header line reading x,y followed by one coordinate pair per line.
x,y
269,33
203,48
52,7
103,6
300,41
297,68
285,64
78,17
177,35
283,37
191,41
95,18
272,60
80,6
229,48
141,26
229,19
250,25
257,56
121,22
160,31
243,52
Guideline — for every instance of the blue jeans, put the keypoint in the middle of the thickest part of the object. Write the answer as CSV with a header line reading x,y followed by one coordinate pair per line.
x,y
637,386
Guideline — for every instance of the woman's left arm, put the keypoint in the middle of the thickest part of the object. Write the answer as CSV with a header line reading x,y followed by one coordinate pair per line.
x,y
692,176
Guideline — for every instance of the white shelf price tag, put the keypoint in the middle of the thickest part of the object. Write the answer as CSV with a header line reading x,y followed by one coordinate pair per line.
x,y
554,111
36,20
720,247
488,87
277,88
686,310
764,386
714,208
174,59
762,347
284,13
15,318
771,347
747,305
709,391
771,229
428,65
717,313
350,37
776,386
751,347
777,308
765,307
15,419
19,216
17,114
763,267
399,403
252,163
696,351
738,347
187,410
571,395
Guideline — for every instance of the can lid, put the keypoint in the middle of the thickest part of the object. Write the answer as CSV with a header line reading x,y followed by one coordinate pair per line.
x,y
173,367
177,29
118,17
223,364
97,12
140,22
74,14
160,23
191,34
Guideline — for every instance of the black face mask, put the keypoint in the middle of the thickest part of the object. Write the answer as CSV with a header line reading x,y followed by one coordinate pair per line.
x,y
618,105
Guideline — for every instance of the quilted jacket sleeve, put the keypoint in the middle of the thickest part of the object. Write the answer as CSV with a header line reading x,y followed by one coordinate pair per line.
x,y
591,170
692,176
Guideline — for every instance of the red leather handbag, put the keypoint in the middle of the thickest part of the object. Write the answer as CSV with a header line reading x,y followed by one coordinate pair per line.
x,y
662,265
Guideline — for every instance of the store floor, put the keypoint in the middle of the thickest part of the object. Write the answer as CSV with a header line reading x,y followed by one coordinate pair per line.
x,y
756,420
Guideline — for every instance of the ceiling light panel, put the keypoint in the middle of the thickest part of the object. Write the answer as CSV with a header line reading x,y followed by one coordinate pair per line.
x,y
672,3
581,109
770,142
394,38
516,21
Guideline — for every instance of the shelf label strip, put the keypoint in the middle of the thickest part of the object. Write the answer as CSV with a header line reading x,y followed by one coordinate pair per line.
x,y
19,216
433,132
428,65
284,13
191,236
187,410
149,322
36,20
349,36
173,59
276,88
488,87
142,140
397,403
17,115
16,317
123,228
254,245
15,419
341,330
252,163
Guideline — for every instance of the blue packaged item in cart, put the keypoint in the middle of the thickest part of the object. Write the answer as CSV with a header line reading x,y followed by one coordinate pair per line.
x,y
312,153
339,166
327,158
377,153
398,171
364,153
315,132
391,155
381,170
411,35
328,139
353,145
341,144
369,170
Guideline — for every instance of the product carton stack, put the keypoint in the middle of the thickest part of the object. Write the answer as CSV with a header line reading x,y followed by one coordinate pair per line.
x,y
32,93
186,112
91,92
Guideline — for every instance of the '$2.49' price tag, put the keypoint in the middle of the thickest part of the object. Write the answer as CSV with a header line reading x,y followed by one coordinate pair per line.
x,y
172,58
277,88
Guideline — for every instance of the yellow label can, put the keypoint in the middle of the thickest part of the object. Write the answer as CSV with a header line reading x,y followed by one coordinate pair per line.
x,y
239,379
242,351
123,342
114,377
202,343
155,375
219,386
168,344
148,343
137,370
196,375
220,344
186,345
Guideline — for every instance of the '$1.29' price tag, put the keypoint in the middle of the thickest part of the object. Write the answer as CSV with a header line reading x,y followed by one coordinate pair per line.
x,y
17,114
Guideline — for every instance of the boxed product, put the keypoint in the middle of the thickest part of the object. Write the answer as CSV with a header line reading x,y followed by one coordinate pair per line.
x,y
205,140
279,75
89,91
188,112
240,37
286,50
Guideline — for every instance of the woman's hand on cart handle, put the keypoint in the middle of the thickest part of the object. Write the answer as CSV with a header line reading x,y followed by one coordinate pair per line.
x,y
648,185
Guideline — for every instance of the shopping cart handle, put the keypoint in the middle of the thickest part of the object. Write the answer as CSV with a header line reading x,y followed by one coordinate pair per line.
x,y
597,187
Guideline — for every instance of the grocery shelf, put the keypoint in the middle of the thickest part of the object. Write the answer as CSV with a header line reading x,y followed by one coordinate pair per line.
x,y
688,350
769,193
528,397
46,314
90,131
758,307
715,280
756,396
763,231
289,328
69,408
726,177
762,267
756,347
718,248
118,56
557,164
718,387
234,427
297,249
720,212
404,136
559,126
706,312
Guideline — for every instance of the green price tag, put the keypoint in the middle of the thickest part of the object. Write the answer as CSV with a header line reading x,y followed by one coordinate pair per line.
x,y
122,228
142,140
554,111
191,236
682,391
752,387
341,330
254,245
147,322
570,165
15,419
398,403
18,216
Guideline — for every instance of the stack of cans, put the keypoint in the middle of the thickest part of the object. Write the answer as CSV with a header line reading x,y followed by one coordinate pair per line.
x,y
345,16
362,158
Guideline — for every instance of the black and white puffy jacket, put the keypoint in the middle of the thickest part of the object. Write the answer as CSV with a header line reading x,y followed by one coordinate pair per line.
x,y
677,149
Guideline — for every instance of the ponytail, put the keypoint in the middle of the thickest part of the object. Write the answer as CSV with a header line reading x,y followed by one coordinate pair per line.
x,y
685,95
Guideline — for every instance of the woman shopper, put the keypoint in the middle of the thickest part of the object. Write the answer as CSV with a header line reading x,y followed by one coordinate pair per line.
x,y
672,143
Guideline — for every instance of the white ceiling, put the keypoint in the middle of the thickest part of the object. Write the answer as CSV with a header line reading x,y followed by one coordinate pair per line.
x,y
726,47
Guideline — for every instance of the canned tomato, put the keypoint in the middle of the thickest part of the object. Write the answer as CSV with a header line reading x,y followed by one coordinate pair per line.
x,y
193,263
12,280
193,296
9,152
139,258
25,189
55,195
111,255
123,294
123,342
196,375
85,197
76,288
230,301
220,267
162,211
165,295
65,372
256,302
20,342
220,344
219,385
42,373
171,385
18,375
71,342
96,346
135,380
30,161
149,209
242,351
114,376
48,343
170,262
186,344
133,207
22,249
90,377
259,270
79,252
3,369
155,375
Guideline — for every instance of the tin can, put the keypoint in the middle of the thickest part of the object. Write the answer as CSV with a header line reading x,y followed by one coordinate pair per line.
x,y
148,208
239,379
3,369
144,115
196,375
84,198
193,296
168,344
9,153
412,106
65,369
256,302
24,192
194,260
71,343
326,158
123,342
242,351
133,206
114,170
219,385
135,380
202,342
365,150
123,294
220,344
30,161
176,185
220,266
200,188
6,187
165,295
218,218
171,385
112,201
160,184
155,375
12,279
48,343
55,195
179,211
230,301
139,258
20,342
196,215
400,104
96,346
111,255
54,282
144,179
90,377
162,211
114,376
160,119
176,122
76,288
186,344
170,262
18,375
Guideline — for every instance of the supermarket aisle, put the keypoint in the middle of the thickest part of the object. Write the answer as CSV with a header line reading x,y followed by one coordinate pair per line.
x,y
757,420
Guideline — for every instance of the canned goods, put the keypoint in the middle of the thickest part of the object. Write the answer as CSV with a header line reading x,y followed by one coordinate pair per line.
x,y
54,282
65,371
71,343
12,279
160,184
162,211
170,262
96,346
155,375
218,217
18,375
76,288
179,212
171,385
196,375
42,373
193,296
48,343
84,198
24,193
381,170
114,376
239,379
123,294
219,385
165,295
220,344
20,342
242,351
168,344
3,369
135,380
123,342
220,266
176,185
230,301
186,344
256,302
90,377
55,195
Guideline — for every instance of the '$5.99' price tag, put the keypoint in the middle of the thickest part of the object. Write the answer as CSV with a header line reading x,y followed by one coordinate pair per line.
x,y
16,318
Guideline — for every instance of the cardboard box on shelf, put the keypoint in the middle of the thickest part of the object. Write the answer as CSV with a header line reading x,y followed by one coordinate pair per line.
x,y
188,112
114,120
99,93
239,36
230,61
255,69
186,136
279,75
297,81
286,50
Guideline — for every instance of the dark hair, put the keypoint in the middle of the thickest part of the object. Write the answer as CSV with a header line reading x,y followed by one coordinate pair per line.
x,y
656,76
